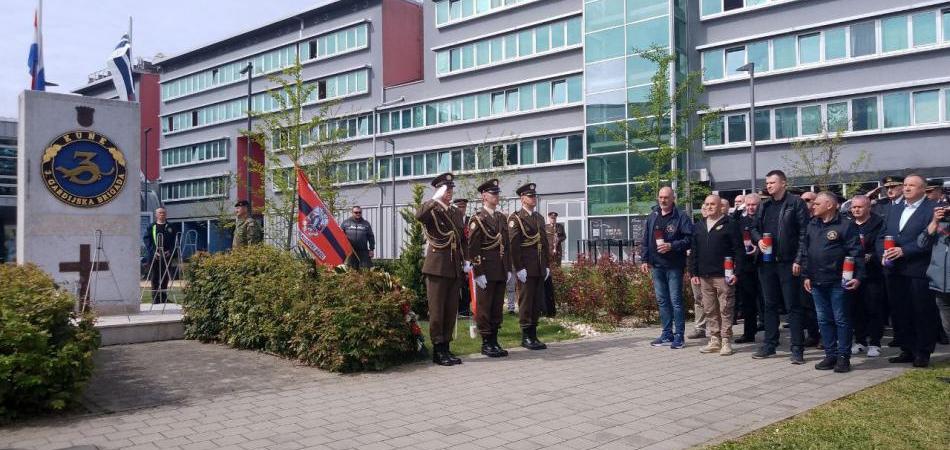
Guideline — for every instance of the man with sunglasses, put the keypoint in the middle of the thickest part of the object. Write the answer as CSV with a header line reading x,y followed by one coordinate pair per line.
x,y
360,234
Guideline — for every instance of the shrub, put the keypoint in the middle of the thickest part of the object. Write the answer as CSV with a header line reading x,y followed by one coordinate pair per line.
x,y
263,298
606,291
413,253
46,350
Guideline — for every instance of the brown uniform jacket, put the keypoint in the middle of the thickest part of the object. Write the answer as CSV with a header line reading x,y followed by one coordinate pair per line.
x,y
556,236
445,238
488,245
529,248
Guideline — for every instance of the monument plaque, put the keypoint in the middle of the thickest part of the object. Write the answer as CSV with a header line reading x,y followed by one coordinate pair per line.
x,y
76,217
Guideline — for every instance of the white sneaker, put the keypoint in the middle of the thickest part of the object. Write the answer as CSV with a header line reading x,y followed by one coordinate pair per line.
x,y
874,351
857,348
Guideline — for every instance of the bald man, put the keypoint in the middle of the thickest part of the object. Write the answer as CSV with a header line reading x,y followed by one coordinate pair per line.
x,y
666,238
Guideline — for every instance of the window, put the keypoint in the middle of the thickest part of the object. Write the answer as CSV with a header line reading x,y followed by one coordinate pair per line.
x,y
896,110
643,35
601,14
607,169
809,48
946,24
735,58
925,28
559,92
511,100
641,70
511,46
711,7
864,114
811,120
527,152
729,5
559,149
894,34
786,123
737,131
525,43
837,117
638,100
575,147
712,65
783,52
526,97
715,135
610,76
763,125
863,40
759,54
644,9
926,107
574,31
544,151
542,93
836,44
542,38
604,44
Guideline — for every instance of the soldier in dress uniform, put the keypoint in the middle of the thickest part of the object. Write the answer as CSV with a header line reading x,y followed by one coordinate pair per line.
x,y
893,186
444,266
529,260
460,205
487,248
555,235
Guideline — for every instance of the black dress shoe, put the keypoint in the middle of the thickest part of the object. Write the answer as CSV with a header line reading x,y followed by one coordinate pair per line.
x,y
451,356
488,349
744,340
904,357
843,365
440,356
495,345
921,361
826,364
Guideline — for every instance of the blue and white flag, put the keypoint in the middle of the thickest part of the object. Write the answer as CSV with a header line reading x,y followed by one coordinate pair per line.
x,y
35,60
120,65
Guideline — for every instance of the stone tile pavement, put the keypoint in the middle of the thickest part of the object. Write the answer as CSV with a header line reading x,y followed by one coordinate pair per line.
x,y
611,392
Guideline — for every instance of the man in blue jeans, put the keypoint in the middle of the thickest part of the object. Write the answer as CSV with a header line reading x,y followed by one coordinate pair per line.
x,y
829,239
783,216
666,238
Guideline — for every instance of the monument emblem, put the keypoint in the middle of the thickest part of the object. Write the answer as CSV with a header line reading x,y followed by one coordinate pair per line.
x,y
83,169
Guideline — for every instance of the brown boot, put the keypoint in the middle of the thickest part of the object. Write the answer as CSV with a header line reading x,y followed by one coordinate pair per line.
x,y
712,347
726,349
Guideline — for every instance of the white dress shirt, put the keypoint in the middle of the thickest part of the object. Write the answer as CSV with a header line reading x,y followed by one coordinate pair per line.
x,y
908,211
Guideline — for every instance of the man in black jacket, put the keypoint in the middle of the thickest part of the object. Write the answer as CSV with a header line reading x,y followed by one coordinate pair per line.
x,y
360,234
905,268
747,288
716,238
159,240
867,302
783,216
829,240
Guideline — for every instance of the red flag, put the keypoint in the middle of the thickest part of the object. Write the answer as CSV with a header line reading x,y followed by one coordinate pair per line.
x,y
317,230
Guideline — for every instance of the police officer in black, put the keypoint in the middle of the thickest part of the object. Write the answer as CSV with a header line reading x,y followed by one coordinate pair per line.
x,y
159,240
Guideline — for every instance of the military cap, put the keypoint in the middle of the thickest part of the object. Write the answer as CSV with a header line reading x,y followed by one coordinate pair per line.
x,y
242,203
933,183
892,180
490,186
552,214
460,200
446,179
528,189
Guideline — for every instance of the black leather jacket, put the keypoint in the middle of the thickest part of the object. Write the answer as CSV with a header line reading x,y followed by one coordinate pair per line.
x,y
792,220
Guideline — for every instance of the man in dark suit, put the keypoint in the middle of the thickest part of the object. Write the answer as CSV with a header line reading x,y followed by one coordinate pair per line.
x,y
443,267
905,267
529,260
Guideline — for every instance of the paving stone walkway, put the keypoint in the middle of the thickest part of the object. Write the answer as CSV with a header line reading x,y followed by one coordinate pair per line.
x,y
612,391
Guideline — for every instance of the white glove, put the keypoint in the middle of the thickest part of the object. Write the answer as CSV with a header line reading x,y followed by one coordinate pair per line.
x,y
547,273
481,281
466,267
522,275
440,192
508,279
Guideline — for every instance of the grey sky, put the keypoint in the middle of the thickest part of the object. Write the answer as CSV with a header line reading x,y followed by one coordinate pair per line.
x,y
78,35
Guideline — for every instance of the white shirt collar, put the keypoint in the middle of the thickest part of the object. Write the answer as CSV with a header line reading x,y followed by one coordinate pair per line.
x,y
915,204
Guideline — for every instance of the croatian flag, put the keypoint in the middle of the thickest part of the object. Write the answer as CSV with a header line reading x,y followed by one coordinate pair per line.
x,y
318,232
120,65
36,52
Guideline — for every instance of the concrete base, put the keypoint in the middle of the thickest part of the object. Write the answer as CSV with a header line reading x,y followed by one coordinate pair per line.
x,y
153,323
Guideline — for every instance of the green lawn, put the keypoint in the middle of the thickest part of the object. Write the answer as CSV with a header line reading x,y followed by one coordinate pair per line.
x,y
175,294
509,336
910,411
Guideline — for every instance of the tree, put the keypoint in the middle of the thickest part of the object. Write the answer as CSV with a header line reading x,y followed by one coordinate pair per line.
x,y
818,160
409,265
291,140
466,186
666,112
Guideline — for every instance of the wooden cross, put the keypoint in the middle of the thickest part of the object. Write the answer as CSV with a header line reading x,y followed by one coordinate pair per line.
x,y
85,267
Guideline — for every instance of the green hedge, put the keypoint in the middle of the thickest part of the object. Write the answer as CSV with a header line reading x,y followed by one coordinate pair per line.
x,y
46,350
263,298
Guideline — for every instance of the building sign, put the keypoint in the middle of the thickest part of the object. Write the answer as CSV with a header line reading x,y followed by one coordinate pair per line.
x,y
83,169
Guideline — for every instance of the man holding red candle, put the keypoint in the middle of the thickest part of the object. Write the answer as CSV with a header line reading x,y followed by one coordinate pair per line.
x,y
905,269
747,288
867,302
717,258
832,262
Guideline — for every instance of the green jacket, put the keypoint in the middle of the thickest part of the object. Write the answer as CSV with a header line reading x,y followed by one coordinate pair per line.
x,y
246,232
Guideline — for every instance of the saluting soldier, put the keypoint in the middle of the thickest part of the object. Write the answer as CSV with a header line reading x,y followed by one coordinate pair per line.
x,y
443,267
529,260
487,242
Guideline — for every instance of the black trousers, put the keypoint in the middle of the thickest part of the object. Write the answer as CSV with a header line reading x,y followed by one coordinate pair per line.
x,y
915,314
778,286
359,259
549,309
159,276
867,311
747,295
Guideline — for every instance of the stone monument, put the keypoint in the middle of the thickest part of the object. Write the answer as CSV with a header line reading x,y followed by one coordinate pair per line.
x,y
78,196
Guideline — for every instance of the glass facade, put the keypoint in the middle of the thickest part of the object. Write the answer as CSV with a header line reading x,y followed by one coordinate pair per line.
x,y
617,90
